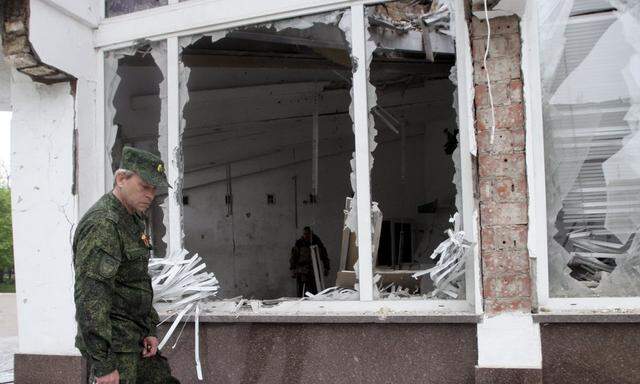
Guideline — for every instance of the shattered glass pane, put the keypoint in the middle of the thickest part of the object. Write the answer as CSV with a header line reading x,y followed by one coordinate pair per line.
x,y
414,137
591,110
122,7
266,144
135,115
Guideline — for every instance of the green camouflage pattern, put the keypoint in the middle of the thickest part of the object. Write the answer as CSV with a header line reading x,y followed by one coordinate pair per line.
x,y
147,165
135,369
112,292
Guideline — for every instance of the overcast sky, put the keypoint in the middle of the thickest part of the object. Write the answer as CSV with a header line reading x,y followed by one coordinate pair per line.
x,y
5,119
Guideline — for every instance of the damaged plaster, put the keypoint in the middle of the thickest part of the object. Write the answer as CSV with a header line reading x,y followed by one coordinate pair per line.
x,y
18,48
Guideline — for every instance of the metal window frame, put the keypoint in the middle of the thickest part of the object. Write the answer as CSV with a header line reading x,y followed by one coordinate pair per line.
x,y
197,16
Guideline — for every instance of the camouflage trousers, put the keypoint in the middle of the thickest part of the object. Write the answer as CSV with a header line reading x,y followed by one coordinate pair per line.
x,y
134,369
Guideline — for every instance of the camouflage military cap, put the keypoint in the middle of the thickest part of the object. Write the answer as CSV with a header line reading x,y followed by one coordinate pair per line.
x,y
147,165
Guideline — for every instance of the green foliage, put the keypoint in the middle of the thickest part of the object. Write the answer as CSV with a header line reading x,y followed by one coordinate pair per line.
x,y
6,237
8,288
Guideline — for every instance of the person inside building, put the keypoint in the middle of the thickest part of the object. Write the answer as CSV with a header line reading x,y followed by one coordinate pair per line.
x,y
301,264
113,292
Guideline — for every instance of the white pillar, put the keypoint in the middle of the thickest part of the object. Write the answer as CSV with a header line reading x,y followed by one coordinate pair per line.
x,y
360,120
44,214
509,340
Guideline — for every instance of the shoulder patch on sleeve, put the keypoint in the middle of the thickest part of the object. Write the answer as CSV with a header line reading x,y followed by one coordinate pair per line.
x,y
108,266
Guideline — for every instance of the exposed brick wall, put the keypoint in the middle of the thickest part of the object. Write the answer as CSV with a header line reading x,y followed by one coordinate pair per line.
x,y
502,169
14,28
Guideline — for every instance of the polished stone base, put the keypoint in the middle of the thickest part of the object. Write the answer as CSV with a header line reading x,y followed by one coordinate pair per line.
x,y
508,376
49,369
596,353
328,353
580,353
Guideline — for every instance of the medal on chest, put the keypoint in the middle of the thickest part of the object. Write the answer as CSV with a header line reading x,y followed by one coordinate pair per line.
x,y
146,240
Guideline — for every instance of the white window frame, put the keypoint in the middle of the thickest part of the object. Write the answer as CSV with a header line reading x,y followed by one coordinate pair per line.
x,y
537,243
198,16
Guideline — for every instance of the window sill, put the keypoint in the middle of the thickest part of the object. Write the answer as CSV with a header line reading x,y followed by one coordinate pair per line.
x,y
587,316
345,312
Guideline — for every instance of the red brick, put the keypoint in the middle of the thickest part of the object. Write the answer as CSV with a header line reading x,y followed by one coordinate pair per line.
x,y
500,69
500,263
15,26
497,306
501,46
504,141
507,117
510,165
503,213
504,238
499,91
507,286
16,45
515,91
503,189
499,26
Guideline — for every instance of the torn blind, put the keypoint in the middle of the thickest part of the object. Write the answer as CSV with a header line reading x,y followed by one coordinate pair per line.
x,y
591,99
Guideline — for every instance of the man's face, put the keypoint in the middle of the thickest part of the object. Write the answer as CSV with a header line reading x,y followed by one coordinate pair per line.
x,y
307,235
137,193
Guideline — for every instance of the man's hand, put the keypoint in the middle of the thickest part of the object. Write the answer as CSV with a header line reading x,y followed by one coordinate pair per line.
x,y
150,346
112,378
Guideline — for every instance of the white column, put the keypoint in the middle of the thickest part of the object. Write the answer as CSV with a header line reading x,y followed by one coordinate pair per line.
x,y
173,141
466,121
44,215
510,340
363,187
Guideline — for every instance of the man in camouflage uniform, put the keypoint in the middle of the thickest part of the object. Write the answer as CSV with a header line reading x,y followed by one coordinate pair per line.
x,y
113,293
301,265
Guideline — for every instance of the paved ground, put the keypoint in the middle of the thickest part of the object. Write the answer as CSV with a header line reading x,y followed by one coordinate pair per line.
x,y
8,336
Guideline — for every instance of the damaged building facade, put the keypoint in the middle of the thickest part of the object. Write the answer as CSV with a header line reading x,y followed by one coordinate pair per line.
x,y
471,168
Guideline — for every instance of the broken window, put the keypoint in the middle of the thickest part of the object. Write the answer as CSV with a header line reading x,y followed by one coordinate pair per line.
x,y
591,111
266,146
122,7
416,153
414,140
135,115
263,162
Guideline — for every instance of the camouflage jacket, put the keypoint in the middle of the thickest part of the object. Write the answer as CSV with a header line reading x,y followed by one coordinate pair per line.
x,y
300,260
112,292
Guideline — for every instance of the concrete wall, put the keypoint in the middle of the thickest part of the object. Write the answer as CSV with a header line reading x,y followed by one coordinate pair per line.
x,y
249,251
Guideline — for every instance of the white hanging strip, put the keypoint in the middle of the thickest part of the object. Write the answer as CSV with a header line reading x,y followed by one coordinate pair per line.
x,y
174,325
197,343
486,71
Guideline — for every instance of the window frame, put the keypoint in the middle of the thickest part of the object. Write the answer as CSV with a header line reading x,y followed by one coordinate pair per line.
x,y
122,31
535,159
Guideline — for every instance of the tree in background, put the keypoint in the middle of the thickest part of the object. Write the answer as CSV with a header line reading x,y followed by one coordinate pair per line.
x,y
6,235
